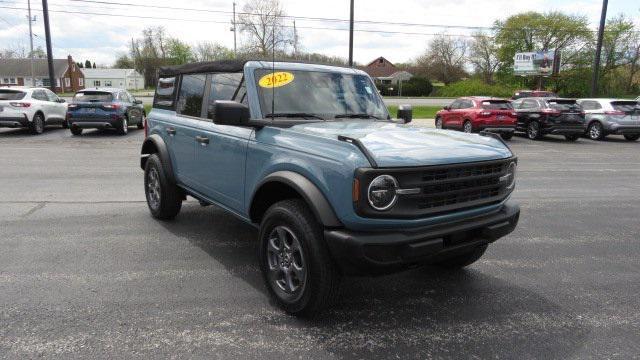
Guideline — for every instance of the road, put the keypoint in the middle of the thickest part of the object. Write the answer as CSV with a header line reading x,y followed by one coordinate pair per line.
x,y
85,272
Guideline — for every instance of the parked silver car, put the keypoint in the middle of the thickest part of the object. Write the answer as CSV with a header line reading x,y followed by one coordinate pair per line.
x,y
611,116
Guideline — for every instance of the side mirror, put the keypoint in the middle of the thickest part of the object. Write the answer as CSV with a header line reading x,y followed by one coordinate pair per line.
x,y
137,102
447,108
405,112
230,113
61,100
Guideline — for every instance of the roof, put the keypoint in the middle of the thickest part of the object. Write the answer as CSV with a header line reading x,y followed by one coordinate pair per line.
x,y
109,73
380,68
203,67
22,67
605,99
102,89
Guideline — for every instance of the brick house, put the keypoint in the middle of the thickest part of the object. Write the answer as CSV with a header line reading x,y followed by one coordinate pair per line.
x,y
382,71
17,72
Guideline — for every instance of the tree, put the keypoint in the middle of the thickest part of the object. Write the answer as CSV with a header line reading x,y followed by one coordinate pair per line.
x,y
484,56
210,51
94,65
444,59
87,64
179,52
38,53
123,62
619,53
262,22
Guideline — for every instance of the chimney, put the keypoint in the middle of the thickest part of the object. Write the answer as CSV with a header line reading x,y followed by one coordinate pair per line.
x,y
72,70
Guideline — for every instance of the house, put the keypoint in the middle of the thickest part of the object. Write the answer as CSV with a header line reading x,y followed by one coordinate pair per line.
x,y
69,78
128,79
382,71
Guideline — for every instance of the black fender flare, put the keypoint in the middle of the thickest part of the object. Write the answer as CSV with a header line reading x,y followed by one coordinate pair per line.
x,y
314,198
154,144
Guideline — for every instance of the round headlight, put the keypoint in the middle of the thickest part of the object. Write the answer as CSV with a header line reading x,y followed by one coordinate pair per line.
x,y
382,192
511,173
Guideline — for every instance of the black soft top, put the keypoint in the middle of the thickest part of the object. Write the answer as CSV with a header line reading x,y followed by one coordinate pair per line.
x,y
203,67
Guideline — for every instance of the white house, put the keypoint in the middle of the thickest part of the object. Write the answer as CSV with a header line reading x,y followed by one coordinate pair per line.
x,y
128,79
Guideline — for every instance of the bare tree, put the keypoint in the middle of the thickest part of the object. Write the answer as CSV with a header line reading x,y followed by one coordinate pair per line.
x,y
210,51
444,59
483,55
262,21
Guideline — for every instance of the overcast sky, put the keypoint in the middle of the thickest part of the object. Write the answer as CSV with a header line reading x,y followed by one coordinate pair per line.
x,y
102,38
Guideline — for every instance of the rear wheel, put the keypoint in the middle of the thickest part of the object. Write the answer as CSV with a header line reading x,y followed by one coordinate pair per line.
x,y
65,124
140,125
124,126
438,123
507,136
76,130
533,130
163,198
595,131
463,260
295,262
632,137
572,137
467,127
37,125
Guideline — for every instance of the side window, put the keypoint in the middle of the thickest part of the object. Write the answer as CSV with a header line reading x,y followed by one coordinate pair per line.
x,y
124,96
224,86
190,95
517,104
165,93
466,104
455,105
529,104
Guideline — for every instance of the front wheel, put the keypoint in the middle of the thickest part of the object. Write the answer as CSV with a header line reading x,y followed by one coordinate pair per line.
x,y
295,262
163,198
572,137
37,125
507,136
632,137
438,123
468,127
463,260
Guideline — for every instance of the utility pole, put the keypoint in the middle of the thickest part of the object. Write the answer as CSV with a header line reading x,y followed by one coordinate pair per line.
x,y
33,80
351,36
596,62
47,34
233,28
295,40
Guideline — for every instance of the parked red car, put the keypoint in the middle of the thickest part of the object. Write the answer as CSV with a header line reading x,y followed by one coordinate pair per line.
x,y
473,114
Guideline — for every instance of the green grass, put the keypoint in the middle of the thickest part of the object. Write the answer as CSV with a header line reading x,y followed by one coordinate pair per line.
x,y
147,108
419,112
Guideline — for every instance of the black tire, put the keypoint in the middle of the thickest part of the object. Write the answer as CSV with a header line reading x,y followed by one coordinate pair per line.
x,y
124,126
595,131
572,137
467,127
438,123
168,202
140,125
65,124
321,278
76,131
632,137
37,125
506,136
463,260
533,130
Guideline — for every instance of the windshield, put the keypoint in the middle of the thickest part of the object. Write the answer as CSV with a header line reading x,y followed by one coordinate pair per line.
x,y
496,105
11,95
93,96
318,95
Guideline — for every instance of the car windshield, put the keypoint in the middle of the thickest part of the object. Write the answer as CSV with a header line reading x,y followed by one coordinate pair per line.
x,y
628,107
93,96
11,95
496,105
319,95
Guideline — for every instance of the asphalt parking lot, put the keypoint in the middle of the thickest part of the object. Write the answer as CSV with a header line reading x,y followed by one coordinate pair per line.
x,y
85,272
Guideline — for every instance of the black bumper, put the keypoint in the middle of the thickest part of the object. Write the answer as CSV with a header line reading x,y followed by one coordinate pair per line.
x,y
14,122
97,123
625,130
564,130
499,129
373,253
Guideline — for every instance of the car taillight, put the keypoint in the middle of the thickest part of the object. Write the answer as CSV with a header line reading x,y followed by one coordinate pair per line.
x,y
614,112
111,106
20,104
551,112
72,106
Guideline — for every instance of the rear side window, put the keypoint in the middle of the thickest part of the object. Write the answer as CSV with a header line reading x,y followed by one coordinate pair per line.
x,y
165,93
591,105
496,105
11,95
564,105
628,107
224,86
93,96
191,95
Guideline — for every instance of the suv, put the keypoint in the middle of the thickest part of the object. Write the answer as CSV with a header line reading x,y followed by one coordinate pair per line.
x,y
612,116
31,108
104,108
533,93
472,114
540,116
310,156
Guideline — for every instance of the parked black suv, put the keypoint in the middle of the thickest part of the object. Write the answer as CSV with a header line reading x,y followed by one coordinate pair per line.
x,y
540,116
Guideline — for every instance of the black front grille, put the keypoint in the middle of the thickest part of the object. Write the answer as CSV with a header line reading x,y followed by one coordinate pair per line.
x,y
443,188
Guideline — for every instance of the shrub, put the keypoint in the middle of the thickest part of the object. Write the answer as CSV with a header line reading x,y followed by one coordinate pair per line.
x,y
475,88
416,86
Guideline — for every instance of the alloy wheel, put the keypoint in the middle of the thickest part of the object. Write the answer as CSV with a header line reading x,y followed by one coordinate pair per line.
x,y
153,188
595,132
438,123
125,126
468,128
533,129
287,271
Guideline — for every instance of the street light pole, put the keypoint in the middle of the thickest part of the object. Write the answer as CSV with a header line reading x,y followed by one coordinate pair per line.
x,y
235,50
351,36
596,62
47,34
33,80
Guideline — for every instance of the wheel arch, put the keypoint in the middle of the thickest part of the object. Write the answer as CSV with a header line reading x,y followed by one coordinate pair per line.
x,y
283,185
154,144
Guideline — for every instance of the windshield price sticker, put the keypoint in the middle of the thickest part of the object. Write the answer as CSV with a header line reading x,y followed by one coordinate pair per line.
x,y
275,79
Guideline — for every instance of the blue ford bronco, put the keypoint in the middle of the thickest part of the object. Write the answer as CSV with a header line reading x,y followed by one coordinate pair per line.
x,y
309,155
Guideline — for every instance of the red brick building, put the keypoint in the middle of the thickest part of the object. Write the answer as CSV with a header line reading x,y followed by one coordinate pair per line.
x,y
384,72
17,72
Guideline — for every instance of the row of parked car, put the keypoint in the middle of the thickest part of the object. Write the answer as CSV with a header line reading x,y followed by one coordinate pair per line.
x,y
537,115
98,108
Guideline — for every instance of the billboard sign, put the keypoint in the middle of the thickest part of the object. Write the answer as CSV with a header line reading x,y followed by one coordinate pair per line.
x,y
540,63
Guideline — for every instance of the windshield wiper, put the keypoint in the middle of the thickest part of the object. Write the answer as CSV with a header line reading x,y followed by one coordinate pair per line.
x,y
295,115
357,116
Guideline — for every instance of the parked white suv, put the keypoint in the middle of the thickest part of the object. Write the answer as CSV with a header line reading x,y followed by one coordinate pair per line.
x,y
32,108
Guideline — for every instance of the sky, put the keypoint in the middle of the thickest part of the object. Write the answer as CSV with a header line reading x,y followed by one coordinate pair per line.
x,y
101,39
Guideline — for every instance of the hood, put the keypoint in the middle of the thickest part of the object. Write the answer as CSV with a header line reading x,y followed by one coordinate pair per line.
x,y
396,145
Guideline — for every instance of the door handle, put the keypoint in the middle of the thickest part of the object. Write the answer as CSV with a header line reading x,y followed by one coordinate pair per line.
x,y
171,131
203,140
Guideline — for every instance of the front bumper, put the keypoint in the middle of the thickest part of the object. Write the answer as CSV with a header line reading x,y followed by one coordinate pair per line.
x,y
371,253
14,121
